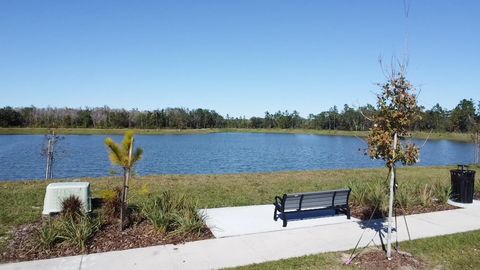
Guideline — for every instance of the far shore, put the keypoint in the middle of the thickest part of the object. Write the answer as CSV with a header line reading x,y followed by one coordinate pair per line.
x,y
462,137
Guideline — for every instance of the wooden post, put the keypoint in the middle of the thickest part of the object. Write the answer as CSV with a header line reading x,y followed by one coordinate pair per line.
x,y
390,201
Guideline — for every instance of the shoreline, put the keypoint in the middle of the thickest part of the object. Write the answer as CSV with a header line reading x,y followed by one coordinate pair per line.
x,y
460,137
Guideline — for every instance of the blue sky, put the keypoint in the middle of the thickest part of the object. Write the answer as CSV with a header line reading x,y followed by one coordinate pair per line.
x,y
237,57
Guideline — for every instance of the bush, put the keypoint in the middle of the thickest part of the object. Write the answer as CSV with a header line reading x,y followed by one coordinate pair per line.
x,y
370,195
171,212
426,196
73,230
77,230
72,206
442,192
407,196
112,202
48,234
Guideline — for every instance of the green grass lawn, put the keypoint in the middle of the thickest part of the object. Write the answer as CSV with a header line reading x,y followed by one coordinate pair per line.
x,y
464,137
456,251
22,201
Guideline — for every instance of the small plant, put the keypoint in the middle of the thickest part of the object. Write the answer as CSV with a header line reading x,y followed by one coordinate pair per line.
x,y
112,202
170,212
48,234
77,230
159,211
125,156
189,221
72,206
426,195
442,192
407,196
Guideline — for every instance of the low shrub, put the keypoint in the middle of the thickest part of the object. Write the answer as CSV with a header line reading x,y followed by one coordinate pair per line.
x,y
77,230
71,230
371,195
426,195
72,206
405,195
112,201
172,212
48,234
442,192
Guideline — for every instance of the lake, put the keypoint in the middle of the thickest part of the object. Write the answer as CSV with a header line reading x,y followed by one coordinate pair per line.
x,y
86,155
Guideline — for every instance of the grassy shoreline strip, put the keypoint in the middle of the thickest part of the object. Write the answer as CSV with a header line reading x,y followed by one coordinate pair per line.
x,y
22,201
462,137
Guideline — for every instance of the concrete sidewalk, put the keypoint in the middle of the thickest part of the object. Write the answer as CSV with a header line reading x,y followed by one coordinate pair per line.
x,y
267,246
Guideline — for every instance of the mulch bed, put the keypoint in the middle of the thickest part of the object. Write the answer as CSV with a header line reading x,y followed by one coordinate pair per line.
x,y
23,245
364,213
376,259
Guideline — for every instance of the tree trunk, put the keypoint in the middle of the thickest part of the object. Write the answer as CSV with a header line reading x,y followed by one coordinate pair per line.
x,y
122,201
390,201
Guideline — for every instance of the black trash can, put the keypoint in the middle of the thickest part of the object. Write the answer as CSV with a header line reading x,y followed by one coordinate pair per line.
x,y
463,184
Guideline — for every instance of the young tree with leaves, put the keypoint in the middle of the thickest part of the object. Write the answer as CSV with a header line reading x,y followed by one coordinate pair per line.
x,y
397,111
125,156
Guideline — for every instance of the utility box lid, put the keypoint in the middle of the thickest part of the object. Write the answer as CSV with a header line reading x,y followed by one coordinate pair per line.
x,y
57,192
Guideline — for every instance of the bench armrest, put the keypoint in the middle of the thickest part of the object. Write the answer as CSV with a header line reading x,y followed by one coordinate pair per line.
x,y
278,203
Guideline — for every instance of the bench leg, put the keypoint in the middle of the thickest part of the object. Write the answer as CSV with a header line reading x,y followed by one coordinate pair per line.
x,y
348,212
275,217
284,220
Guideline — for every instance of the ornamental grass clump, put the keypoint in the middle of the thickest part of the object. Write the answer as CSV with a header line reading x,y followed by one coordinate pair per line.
x,y
72,206
47,235
171,212
77,230
441,192
70,230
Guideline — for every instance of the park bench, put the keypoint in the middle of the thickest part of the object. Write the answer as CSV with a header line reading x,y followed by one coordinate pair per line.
x,y
336,200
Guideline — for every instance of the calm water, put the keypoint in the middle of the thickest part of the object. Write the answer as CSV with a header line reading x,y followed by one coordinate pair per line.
x,y
85,155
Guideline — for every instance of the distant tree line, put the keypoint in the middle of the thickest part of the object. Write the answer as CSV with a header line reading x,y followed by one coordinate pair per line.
x,y
463,118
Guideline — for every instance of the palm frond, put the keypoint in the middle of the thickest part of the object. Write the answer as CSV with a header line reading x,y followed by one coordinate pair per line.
x,y
136,155
117,155
127,141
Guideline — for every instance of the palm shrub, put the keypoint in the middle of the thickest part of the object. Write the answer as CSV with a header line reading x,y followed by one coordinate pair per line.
x,y
125,156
